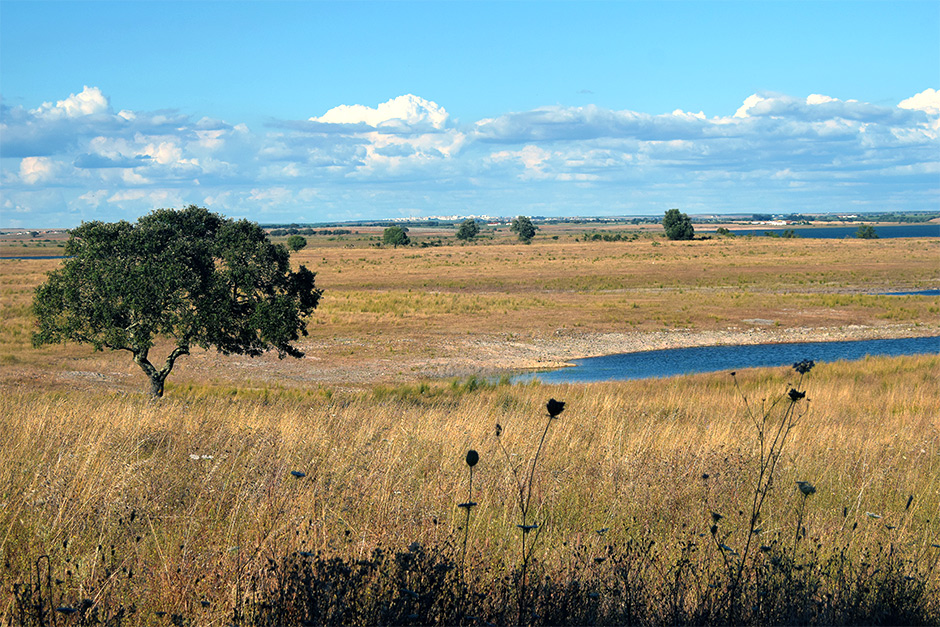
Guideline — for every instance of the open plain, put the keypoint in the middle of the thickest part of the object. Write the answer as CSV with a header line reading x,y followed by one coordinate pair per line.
x,y
402,314
194,509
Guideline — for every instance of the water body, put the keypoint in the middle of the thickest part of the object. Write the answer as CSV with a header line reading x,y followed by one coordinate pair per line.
x,y
679,361
35,257
918,293
842,232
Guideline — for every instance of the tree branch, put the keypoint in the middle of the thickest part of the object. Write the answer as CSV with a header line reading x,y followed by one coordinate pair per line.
x,y
178,352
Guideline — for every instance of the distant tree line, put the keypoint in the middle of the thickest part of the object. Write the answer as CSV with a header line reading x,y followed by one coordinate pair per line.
x,y
609,237
308,231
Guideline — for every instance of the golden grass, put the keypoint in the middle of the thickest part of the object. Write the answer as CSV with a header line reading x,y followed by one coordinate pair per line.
x,y
108,484
165,504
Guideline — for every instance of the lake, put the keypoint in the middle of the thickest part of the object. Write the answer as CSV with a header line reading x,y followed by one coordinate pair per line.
x,y
26,258
678,361
841,232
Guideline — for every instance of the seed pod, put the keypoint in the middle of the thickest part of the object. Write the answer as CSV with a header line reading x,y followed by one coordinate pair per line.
x,y
796,395
472,458
555,407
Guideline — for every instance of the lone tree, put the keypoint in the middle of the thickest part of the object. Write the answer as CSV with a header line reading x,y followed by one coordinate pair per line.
x,y
866,231
468,229
192,276
678,225
396,236
523,227
296,242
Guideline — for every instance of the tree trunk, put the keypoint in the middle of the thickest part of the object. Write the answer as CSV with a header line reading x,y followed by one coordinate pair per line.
x,y
156,385
157,377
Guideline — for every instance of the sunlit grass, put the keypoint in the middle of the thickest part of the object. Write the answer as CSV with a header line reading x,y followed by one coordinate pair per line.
x,y
169,504
175,485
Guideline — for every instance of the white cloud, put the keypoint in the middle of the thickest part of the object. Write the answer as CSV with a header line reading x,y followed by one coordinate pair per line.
x,y
927,101
679,113
751,102
89,102
406,154
35,170
532,158
164,153
814,99
211,140
408,111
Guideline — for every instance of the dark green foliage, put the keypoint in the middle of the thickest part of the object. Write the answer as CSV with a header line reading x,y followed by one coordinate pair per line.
x,y
866,231
190,275
396,236
296,242
523,227
468,230
678,225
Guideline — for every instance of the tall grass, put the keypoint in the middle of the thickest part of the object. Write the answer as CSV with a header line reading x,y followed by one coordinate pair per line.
x,y
188,507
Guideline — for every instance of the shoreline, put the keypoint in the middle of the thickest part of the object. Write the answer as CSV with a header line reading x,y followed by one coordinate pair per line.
x,y
359,362
497,355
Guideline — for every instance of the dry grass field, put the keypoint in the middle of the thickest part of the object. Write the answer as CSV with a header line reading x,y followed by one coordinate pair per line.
x,y
398,315
123,510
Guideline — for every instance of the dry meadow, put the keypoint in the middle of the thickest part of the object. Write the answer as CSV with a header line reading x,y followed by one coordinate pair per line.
x,y
327,490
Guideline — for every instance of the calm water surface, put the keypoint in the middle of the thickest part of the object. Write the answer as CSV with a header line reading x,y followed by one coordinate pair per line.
x,y
841,232
678,361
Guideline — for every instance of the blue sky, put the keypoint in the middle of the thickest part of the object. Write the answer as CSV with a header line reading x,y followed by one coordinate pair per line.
x,y
327,111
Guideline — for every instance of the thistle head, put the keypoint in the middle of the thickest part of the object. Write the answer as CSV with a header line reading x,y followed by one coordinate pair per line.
x,y
795,394
806,488
472,458
555,407
804,366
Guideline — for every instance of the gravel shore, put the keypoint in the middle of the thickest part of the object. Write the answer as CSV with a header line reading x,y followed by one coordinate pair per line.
x,y
494,354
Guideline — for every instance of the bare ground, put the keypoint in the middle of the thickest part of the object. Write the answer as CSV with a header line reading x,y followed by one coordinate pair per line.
x,y
374,359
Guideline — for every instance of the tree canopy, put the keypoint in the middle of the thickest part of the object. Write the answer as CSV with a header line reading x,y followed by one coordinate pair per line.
x,y
468,229
523,227
189,275
296,242
678,225
866,231
396,236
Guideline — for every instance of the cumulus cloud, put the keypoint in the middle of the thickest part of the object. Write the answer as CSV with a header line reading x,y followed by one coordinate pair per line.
x,y
35,170
807,152
927,100
404,113
90,101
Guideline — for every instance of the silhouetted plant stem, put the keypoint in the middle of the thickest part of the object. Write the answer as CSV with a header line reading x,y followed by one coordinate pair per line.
x,y
472,458
770,448
525,501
